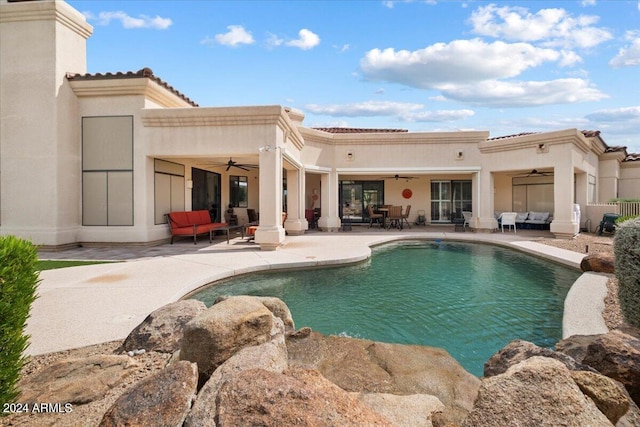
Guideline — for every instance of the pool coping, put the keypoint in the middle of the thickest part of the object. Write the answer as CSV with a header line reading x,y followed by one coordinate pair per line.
x,y
109,300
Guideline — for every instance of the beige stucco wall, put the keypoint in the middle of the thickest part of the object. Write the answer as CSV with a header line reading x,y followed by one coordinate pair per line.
x,y
629,184
39,43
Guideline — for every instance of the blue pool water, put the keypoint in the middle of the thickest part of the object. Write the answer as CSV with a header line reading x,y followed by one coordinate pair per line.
x,y
470,299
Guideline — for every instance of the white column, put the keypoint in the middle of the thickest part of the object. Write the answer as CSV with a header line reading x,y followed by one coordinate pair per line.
x,y
270,234
296,223
329,219
563,225
485,200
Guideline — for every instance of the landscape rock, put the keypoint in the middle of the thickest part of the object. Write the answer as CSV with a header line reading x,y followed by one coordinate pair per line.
x,y
163,399
617,355
365,366
518,350
275,306
77,381
605,393
414,410
270,356
575,346
162,329
599,263
296,397
538,392
224,329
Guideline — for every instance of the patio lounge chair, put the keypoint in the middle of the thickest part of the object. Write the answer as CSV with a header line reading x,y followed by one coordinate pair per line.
x,y
405,216
508,219
374,216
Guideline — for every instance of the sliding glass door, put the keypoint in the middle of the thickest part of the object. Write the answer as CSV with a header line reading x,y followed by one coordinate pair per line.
x,y
356,196
449,199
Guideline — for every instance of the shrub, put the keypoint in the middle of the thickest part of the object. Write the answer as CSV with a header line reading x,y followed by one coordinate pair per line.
x,y
18,282
625,218
627,255
623,199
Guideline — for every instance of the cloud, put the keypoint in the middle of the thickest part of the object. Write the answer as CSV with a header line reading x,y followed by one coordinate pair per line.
x,y
437,116
273,41
586,3
306,41
523,94
460,61
345,47
407,112
364,109
236,35
615,114
129,22
551,27
628,56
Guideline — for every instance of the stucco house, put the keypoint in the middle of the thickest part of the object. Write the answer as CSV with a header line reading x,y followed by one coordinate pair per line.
x,y
101,158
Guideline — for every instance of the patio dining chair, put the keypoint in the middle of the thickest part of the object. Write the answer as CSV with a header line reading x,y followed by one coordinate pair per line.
x,y
395,217
508,219
405,216
374,216
467,218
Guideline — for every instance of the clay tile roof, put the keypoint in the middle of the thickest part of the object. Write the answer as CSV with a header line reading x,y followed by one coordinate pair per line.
x,y
359,130
143,73
591,133
632,157
512,136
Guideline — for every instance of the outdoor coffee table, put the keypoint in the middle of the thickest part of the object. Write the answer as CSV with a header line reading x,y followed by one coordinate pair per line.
x,y
228,228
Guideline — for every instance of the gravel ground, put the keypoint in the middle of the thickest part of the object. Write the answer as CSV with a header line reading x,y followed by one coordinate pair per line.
x,y
90,414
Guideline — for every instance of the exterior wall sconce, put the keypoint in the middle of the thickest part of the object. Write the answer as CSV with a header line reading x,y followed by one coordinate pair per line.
x,y
459,154
189,183
542,148
350,155
266,148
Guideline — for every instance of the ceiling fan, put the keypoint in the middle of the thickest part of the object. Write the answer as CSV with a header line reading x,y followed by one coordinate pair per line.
x,y
397,177
232,163
535,172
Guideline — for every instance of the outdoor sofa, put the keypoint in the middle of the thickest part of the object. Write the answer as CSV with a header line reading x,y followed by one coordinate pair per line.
x,y
531,219
192,223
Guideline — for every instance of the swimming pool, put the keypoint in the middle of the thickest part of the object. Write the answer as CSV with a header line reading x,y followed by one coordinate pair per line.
x,y
470,299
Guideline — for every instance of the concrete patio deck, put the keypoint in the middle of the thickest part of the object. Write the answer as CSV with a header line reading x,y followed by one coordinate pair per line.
x,y
86,305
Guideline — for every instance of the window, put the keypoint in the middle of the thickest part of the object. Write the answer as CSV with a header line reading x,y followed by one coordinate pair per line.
x,y
168,189
107,171
238,191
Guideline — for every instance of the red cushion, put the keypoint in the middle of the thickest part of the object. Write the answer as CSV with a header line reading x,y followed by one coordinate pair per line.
x,y
179,219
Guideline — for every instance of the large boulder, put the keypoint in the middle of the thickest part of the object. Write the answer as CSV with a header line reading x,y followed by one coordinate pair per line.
x,y
617,355
77,381
224,329
518,350
275,306
575,346
163,399
162,329
414,410
365,366
606,393
296,397
538,392
599,263
270,356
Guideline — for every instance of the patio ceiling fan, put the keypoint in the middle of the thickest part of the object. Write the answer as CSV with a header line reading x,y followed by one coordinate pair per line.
x,y
232,163
397,177
535,172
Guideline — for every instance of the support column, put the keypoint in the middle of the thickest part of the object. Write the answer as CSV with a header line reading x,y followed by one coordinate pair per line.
x,y
270,234
563,224
296,223
329,219
486,221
